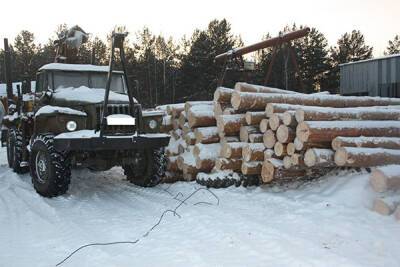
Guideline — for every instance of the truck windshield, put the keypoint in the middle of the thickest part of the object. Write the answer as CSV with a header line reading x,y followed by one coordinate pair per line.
x,y
89,79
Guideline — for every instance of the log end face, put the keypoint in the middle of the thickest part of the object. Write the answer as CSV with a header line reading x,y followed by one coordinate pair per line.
x,y
299,115
381,207
341,157
302,132
267,172
235,100
310,158
378,181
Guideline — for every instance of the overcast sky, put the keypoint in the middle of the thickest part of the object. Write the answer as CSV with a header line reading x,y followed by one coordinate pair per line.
x,y
378,20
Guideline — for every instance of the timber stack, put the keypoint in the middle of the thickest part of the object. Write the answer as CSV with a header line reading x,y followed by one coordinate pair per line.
x,y
281,135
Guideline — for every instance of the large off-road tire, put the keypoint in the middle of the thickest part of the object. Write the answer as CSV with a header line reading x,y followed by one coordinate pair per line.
x,y
50,170
15,151
149,170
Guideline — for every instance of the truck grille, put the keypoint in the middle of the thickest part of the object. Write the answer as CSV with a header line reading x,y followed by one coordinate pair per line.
x,y
114,129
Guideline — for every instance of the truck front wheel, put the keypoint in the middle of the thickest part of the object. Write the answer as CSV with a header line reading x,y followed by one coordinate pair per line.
x,y
50,170
148,170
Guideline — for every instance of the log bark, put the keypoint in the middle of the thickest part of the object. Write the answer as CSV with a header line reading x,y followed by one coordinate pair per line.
x,y
385,178
223,94
190,139
285,134
280,150
273,169
303,146
201,116
246,87
264,123
269,139
258,101
252,167
371,142
205,164
275,121
253,152
254,117
256,138
326,131
319,157
190,104
206,135
229,139
228,164
230,124
232,150
245,131
172,165
272,108
333,114
366,157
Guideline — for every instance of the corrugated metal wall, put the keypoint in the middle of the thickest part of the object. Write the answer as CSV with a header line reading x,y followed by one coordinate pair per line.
x,y
377,77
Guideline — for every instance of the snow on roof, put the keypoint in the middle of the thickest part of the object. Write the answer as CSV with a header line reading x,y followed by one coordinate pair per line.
x,y
371,59
74,67
88,95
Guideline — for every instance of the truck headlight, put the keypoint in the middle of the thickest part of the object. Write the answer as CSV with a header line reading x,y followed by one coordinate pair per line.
x,y
71,126
152,124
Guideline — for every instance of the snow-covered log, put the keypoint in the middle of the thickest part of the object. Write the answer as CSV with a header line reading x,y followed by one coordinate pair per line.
x,y
220,107
366,157
254,117
362,141
258,101
223,95
228,164
175,109
256,138
206,150
190,104
245,131
272,108
190,138
230,124
253,152
385,178
232,150
326,131
285,134
357,113
246,87
275,120
206,135
273,169
319,157
303,146
251,167
201,116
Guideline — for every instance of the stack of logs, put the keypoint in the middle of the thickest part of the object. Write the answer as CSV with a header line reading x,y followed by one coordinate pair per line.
x,y
281,135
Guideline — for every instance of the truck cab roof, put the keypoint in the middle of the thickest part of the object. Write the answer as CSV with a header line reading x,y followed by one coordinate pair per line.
x,y
76,67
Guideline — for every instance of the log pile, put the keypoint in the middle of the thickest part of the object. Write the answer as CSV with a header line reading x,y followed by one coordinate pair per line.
x,y
275,134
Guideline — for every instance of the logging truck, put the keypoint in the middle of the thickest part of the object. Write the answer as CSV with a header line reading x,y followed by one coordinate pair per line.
x,y
83,115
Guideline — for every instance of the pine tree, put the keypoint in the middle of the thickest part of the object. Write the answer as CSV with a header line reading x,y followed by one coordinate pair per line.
x,y
393,46
24,55
350,47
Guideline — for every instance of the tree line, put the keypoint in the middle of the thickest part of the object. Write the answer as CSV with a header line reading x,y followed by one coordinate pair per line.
x,y
164,70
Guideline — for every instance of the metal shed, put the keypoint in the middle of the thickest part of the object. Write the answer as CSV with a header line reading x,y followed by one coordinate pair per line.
x,y
372,77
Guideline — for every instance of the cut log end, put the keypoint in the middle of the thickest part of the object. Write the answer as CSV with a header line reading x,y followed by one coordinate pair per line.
x,y
378,181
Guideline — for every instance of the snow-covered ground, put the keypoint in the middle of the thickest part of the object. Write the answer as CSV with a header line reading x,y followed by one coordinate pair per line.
x,y
322,223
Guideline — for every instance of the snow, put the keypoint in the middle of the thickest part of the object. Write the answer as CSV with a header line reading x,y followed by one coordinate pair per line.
x,y
120,119
327,223
62,110
392,170
3,87
85,134
218,175
74,67
88,95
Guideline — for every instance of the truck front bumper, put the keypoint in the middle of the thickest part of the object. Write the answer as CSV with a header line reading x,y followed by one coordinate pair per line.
x,y
88,140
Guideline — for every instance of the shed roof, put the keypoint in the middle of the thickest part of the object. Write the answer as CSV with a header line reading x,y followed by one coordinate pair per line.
x,y
74,67
371,59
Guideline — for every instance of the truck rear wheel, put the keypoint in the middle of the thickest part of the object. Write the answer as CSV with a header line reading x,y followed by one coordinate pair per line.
x,y
148,170
50,170
15,148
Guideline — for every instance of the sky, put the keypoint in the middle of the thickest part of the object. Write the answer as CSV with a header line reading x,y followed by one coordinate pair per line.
x,y
378,20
